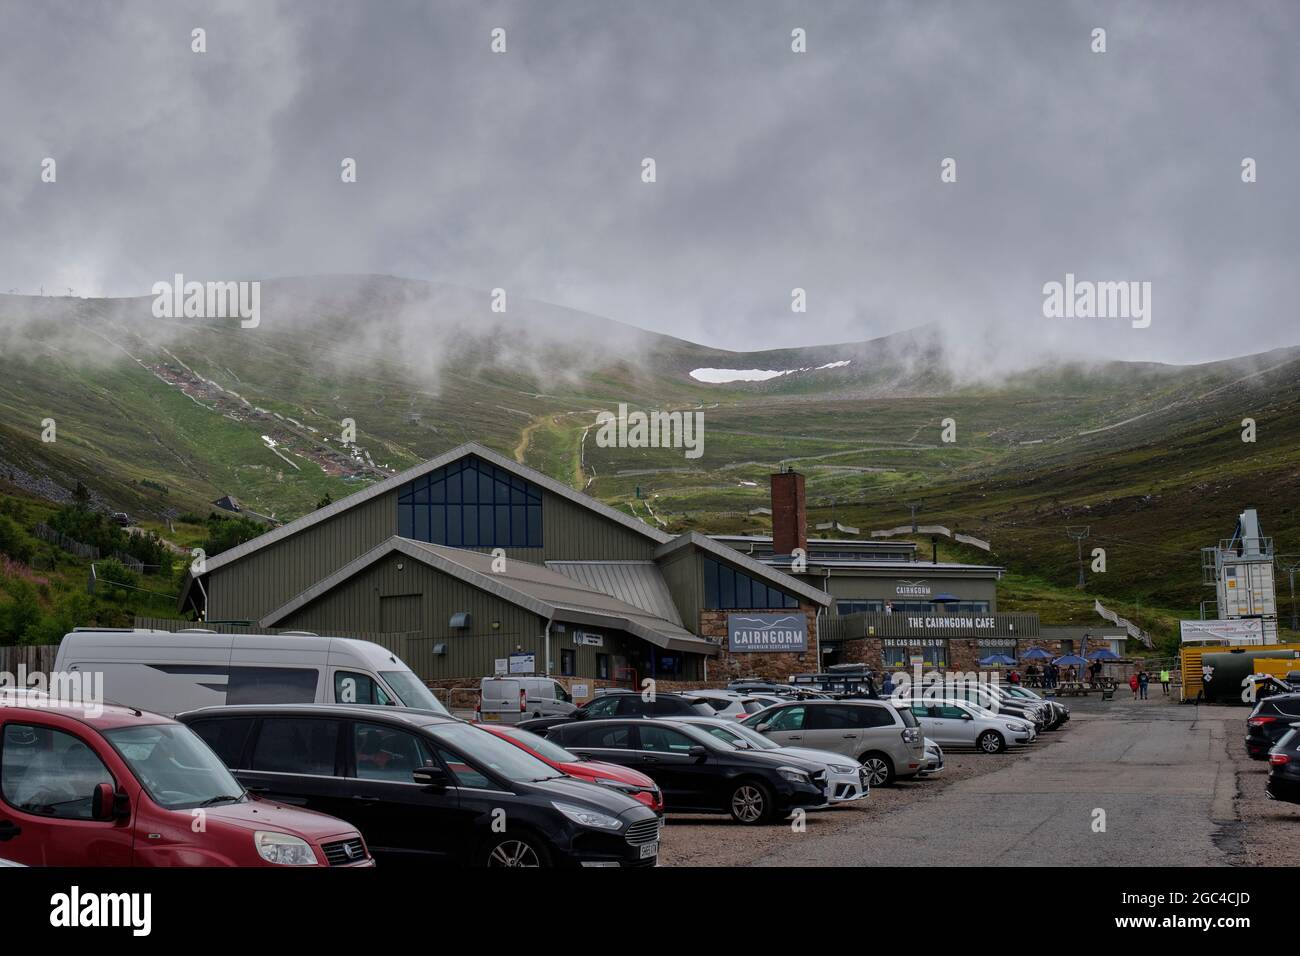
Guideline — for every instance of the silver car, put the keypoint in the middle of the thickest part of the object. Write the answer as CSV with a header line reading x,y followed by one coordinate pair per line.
x,y
959,723
846,780
885,740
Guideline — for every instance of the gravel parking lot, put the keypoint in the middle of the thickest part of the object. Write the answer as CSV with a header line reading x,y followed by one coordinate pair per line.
x,y
1174,781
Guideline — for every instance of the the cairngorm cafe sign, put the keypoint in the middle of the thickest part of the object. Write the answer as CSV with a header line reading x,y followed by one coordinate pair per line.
x,y
767,633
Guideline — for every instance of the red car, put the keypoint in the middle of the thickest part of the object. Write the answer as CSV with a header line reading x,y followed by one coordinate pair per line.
x,y
632,782
114,786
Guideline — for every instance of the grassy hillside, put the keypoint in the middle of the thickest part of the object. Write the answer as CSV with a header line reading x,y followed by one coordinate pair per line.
x,y
158,418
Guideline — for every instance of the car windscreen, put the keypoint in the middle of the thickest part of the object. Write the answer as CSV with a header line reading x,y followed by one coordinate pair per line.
x,y
176,767
412,691
490,751
909,718
756,740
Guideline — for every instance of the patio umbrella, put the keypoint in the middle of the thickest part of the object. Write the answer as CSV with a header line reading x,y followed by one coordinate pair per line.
x,y
1035,654
996,659
1104,654
1069,660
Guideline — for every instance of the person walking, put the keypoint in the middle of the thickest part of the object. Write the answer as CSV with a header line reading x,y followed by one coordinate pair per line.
x,y
1133,684
1143,680
1164,680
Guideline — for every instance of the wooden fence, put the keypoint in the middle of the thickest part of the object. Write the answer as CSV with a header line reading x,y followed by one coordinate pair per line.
x,y
33,657
71,545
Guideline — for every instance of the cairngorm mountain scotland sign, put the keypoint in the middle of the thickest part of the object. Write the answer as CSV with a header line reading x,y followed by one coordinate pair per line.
x,y
772,633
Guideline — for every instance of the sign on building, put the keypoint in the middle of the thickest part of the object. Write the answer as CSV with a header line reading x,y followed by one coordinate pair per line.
x,y
523,663
767,633
1238,631
588,639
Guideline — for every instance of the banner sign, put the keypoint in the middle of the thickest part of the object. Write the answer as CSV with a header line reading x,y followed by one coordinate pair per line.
x,y
767,633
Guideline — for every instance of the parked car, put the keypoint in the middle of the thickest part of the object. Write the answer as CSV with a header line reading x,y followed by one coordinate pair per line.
x,y
168,672
509,700
1058,712
959,723
697,772
622,779
726,703
428,789
1284,767
626,704
933,765
846,780
116,786
995,699
1269,722
885,740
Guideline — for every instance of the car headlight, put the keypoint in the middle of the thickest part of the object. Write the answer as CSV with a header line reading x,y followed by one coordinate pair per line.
x,y
793,775
284,849
1017,727
589,818
843,768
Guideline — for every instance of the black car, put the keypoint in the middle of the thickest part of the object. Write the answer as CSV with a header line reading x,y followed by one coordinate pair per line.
x,y
425,788
1269,721
626,704
697,772
1284,767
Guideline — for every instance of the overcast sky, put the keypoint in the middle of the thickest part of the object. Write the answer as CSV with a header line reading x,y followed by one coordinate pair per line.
x,y
775,170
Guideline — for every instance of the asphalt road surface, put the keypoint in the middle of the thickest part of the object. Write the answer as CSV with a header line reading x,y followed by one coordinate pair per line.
x,y
1161,773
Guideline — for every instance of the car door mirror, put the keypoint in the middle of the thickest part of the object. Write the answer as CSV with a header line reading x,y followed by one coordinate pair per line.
x,y
764,727
699,752
105,805
434,778
966,716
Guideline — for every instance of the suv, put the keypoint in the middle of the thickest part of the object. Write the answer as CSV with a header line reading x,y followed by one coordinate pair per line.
x,y
114,786
885,740
626,704
426,788
1269,722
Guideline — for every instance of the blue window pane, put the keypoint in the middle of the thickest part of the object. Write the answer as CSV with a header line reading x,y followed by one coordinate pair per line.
x,y
421,493
469,487
453,489
534,526
487,525
502,538
710,584
422,522
790,601
404,521
454,538
438,525
517,495
726,587
485,489
502,489
469,526
438,491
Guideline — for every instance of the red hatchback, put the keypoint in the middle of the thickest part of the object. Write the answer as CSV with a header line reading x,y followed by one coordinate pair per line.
x,y
634,783
114,786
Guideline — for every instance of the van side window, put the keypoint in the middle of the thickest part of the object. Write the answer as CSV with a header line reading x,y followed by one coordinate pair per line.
x,y
49,772
353,688
561,693
226,736
297,745
271,685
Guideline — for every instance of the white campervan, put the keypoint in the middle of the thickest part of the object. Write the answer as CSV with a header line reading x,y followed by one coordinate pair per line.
x,y
170,672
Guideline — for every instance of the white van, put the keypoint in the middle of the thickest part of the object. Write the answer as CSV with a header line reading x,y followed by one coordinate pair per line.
x,y
508,700
170,672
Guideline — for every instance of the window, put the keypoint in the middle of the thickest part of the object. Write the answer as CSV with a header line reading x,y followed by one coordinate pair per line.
x,y
949,712
936,655
895,656
610,738
664,740
353,688
561,694
471,504
725,588
602,666
603,706
788,718
226,737
465,774
296,745
833,717
177,770
388,753
272,685
874,716
49,772
859,607
568,662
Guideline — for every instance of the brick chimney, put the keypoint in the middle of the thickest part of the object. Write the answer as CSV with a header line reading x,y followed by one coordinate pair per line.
x,y
789,514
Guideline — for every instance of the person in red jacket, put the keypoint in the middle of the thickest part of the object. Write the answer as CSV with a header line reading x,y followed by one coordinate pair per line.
x,y
1133,685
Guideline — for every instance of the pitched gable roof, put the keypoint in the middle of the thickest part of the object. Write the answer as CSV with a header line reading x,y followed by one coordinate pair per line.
x,y
433,464
757,569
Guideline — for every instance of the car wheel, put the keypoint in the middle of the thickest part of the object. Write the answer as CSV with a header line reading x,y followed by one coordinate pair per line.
x,y
880,770
751,803
506,849
991,742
